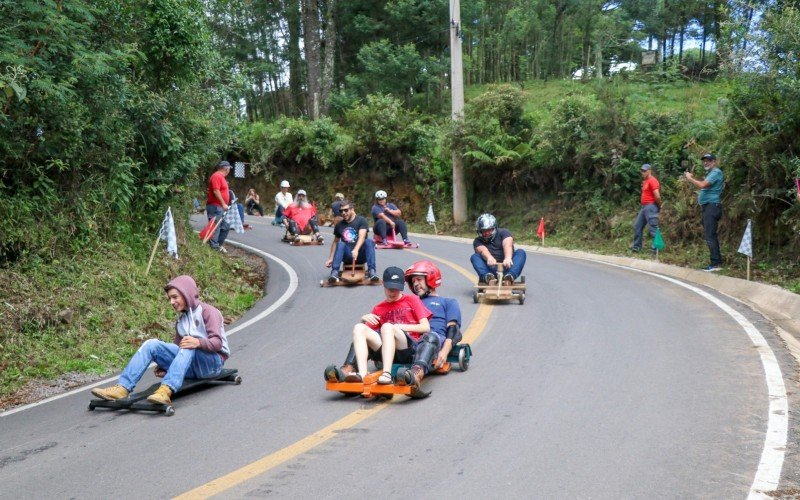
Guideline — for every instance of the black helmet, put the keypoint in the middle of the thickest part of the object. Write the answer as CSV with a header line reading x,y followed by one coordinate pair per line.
x,y
485,222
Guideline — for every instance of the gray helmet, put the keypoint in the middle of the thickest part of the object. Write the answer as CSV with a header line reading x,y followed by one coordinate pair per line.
x,y
484,222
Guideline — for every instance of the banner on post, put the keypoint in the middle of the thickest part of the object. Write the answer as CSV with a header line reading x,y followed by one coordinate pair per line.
x,y
167,233
430,217
746,246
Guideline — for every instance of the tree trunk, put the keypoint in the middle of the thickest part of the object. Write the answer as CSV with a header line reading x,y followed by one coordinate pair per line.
x,y
330,51
291,9
311,37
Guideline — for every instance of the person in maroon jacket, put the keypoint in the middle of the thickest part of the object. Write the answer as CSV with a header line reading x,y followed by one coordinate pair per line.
x,y
199,348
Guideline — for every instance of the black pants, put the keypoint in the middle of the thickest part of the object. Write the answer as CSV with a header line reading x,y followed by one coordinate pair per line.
x,y
382,229
712,213
312,224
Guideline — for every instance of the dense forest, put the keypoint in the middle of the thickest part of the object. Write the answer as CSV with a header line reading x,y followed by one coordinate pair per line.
x,y
113,110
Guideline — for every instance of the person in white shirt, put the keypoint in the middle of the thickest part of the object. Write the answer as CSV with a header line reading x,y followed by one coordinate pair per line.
x,y
282,200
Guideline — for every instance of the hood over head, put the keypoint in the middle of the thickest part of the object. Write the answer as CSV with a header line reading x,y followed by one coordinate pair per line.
x,y
188,288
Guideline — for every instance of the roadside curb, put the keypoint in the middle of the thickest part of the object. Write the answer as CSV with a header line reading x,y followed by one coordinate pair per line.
x,y
781,306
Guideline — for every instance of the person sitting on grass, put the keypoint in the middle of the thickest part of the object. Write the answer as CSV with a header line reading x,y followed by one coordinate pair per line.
x,y
199,348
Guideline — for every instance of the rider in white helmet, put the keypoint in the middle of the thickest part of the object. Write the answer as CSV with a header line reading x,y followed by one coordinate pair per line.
x,y
282,200
387,218
495,245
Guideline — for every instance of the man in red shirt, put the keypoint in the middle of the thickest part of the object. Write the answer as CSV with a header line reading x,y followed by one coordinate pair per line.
x,y
217,203
401,319
300,215
651,205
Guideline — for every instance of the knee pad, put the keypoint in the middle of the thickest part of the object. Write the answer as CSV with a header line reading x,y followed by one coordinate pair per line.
x,y
427,349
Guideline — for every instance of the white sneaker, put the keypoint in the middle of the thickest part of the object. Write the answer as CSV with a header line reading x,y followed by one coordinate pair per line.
x,y
222,250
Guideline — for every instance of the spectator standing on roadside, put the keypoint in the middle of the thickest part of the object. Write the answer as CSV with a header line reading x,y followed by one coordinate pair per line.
x,y
709,199
217,203
651,206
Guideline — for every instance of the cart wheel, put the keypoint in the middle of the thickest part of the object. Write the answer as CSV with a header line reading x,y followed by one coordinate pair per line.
x,y
237,380
463,362
521,298
522,279
385,396
91,407
475,297
169,411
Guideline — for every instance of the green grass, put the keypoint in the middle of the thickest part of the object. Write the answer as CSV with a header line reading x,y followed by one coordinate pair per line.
x,y
113,307
699,98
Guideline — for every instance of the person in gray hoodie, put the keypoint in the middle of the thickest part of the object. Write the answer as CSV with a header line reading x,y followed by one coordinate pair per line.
x,y
198,350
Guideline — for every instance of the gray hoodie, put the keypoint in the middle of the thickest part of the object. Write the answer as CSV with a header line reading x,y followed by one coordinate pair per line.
x,y
211,330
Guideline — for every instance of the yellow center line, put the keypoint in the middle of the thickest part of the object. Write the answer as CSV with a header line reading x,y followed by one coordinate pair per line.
x,y
283,455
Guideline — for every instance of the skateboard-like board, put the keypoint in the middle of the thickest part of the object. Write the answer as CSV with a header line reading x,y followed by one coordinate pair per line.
x,y
391,241
138,400
353,275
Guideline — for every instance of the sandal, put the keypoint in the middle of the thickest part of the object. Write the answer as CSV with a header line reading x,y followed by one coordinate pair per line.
x,y
385,378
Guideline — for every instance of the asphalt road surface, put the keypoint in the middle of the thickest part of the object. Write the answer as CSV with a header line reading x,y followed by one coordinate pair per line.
x,y
606,383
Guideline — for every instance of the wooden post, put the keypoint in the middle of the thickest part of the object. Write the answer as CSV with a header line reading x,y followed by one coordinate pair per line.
x,y
153,254
748,268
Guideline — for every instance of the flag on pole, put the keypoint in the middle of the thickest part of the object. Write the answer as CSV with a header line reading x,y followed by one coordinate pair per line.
x,y
540,230
658,240
167,233
430,217
746,247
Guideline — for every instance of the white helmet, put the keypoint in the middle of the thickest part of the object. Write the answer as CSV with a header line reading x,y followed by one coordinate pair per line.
x,y
285,184
380,195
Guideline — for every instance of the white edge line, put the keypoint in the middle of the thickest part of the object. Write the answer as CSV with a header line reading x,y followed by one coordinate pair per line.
x,y
293,283
768,474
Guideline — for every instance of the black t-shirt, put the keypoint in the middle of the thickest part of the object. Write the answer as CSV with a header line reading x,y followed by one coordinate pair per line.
x,y
496,245
348,231
335,207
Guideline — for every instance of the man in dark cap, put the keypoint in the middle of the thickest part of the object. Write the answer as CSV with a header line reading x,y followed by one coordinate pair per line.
x,y
217,203
651,205
709,199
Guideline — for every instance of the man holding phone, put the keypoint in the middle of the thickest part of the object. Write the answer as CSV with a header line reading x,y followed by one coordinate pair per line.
x,y
709,199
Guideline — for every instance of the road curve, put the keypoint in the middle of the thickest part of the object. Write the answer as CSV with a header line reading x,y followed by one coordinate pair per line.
x,y
606,383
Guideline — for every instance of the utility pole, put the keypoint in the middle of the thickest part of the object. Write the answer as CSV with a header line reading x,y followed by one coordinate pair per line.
x,y
457,100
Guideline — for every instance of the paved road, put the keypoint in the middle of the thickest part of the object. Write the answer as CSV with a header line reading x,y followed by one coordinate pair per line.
x,y
606,383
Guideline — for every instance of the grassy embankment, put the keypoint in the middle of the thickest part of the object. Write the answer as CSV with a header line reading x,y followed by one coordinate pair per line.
x,y
607,229
76,318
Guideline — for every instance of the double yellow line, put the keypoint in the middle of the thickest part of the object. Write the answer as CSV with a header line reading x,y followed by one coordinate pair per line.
x,y
262,465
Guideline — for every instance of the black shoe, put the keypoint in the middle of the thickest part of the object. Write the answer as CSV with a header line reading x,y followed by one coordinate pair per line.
x,y
320,239
635,249
334,277
490,279
373,276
